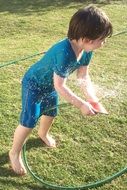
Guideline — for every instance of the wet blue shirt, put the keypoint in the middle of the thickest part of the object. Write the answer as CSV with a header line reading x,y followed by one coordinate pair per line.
x,y
61,59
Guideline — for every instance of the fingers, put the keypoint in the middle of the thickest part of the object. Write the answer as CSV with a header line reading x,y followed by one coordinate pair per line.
x,y
92,112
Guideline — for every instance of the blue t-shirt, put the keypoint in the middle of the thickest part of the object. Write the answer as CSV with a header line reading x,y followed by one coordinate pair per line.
x,y
61,59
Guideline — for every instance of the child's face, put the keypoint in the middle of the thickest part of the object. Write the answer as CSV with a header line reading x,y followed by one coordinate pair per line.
x,y
90,45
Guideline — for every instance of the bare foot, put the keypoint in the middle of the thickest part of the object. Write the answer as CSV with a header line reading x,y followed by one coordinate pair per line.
x,y
17,163
48,140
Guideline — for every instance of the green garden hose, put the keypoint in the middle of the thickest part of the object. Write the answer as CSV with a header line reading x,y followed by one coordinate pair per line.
x,y
20,59
58,187
38,53
51,186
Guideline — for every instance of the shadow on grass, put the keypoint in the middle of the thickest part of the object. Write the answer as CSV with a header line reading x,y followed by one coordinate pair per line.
x,y
7,176
4,158
27,7
37,143
4,170
20,184
34,143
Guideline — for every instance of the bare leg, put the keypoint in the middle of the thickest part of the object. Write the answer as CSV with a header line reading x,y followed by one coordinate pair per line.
x,y
20,135
43,132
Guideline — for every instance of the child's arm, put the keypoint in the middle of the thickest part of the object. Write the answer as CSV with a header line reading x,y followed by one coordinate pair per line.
x,y
64,91
85,83
87,87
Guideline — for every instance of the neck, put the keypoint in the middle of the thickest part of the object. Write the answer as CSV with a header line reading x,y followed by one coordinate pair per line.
x,y
76,48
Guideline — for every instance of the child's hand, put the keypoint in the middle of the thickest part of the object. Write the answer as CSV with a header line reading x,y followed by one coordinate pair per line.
x,y
87,109
98,107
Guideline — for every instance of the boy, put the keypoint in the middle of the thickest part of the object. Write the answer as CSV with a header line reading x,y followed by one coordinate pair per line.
x,y
88,30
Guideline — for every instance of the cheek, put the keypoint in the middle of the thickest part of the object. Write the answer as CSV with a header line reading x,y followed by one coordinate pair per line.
x,y
98,45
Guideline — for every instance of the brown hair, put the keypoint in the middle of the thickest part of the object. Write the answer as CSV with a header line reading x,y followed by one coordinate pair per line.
x,y
90,23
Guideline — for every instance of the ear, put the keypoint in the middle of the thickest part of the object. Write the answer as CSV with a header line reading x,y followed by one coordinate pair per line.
x,y
86,40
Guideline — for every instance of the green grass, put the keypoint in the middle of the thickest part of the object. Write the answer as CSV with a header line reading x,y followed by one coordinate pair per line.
x,y
89,148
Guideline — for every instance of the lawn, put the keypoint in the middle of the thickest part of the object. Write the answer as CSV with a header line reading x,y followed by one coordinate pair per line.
x,y
89,148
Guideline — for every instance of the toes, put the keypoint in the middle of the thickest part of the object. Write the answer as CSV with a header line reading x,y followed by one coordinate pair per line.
x,y
17,165
21,171
49,141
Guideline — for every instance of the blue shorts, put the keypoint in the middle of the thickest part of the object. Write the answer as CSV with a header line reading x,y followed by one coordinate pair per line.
x,y
36,102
